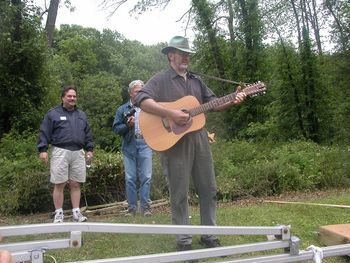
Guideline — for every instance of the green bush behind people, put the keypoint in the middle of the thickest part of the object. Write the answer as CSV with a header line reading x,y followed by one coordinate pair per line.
x,y
243,169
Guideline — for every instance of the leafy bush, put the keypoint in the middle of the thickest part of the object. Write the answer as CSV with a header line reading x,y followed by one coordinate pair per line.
x,y
159,186
25,186
23,73
24,180
268,168
105,178
242,169
22,176
99,96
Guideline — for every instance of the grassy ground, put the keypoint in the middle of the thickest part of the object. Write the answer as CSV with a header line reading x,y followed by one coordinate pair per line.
x,y
305,221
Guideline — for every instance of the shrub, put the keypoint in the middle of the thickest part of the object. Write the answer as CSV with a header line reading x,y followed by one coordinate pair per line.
x,y
105,178
269,168
22,176
242,168
24,180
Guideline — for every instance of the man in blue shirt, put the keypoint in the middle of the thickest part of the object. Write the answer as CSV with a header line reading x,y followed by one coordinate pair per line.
x,y
66,128
137,154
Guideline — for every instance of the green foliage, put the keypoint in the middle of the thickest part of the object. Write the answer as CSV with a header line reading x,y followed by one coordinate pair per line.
x,y
105,181
307,96
159,185
237,55
77,50
340,11
101,65
300,100
337,68
105,178
243,169
288,106
22,67
22,177
25,186
99,96
265,168
24,180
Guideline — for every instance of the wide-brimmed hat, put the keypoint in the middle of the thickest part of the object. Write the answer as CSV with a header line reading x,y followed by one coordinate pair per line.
x,y
178,42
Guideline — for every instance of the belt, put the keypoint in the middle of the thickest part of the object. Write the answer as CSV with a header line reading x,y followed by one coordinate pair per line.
x,y
138,136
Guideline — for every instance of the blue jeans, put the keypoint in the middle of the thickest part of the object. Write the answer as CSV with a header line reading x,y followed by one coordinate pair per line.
x,y
138,166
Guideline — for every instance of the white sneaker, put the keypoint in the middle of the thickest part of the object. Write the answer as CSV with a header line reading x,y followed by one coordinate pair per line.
x,y
78,217
58,218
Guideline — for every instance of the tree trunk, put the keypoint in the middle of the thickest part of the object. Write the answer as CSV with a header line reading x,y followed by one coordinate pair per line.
x,y
294,85
297,20
315,26
51,20
250,27
233,40
308,76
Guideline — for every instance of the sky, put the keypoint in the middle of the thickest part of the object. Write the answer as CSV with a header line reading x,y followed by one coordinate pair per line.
x,y
150,28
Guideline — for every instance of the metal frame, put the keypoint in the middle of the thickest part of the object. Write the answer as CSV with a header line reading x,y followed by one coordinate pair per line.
x,y
33,250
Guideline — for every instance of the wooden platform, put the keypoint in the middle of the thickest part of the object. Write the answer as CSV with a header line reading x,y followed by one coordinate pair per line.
x,y
335,234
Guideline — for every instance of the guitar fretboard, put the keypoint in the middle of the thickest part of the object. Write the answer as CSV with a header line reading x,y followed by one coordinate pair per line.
x,y
252,89
212,104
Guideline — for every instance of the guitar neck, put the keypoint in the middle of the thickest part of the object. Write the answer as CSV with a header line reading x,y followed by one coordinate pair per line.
x,y
212,104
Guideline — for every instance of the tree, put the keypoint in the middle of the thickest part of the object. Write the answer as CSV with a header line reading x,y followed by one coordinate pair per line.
x,y
101,65
52,12
99,96
51,20
22,71
204,20
339,11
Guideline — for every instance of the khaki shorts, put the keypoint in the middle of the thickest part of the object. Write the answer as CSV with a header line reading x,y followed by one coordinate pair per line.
x,y
67,165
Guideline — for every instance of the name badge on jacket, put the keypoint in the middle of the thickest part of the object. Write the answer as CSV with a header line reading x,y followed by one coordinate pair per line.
x,y
63,118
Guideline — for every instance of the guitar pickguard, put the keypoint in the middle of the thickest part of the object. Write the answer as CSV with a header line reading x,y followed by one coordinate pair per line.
x,y
177,129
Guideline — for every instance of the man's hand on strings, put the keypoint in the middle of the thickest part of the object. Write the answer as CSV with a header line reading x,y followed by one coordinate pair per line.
x,y
240,95
179,117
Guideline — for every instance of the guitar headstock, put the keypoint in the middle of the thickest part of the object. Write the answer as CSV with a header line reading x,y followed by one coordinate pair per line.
x,y
255,89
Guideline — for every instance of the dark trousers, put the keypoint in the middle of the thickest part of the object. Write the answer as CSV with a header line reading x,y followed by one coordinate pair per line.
x,y
191,156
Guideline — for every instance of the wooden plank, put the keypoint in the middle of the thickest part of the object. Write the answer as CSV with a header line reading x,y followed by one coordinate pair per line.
x,y
303,203
335,234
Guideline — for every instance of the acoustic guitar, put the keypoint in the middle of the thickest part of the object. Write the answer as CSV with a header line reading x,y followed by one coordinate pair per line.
x,y
162,133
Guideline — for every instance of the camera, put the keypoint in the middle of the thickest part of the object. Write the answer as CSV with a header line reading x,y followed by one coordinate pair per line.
x,y
128,114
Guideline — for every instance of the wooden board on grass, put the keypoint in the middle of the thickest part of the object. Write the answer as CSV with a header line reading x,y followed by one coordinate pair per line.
x,y
335,234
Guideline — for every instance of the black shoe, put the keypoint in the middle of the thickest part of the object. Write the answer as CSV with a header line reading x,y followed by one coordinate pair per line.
x,y
210,243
